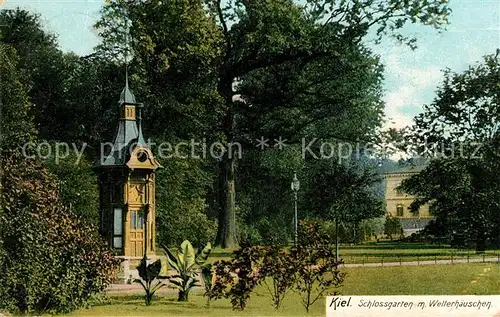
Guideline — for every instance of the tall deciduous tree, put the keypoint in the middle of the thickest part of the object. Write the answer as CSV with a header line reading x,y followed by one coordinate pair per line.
x,y
70,96
459,131
41,66
16,121
209,47
92,88
345,193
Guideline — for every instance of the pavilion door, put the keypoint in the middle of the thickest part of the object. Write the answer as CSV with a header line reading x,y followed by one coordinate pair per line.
x,y
136,233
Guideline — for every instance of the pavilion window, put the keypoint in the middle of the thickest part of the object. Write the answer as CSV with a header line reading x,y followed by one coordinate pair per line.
x,y
136,221
140,221
133,220
117,228
151,238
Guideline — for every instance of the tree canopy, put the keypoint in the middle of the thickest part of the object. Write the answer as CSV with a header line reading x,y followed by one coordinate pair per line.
x,y
459,133
243,68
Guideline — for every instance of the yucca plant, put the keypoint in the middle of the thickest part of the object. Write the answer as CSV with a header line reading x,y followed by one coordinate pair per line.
x,y
148,274
187,264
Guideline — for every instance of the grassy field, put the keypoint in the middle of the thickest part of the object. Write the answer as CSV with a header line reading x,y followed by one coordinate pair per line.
x,y
390,252
454,279
395,252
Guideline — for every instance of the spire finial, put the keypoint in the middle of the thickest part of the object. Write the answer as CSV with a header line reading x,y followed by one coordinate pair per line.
x,y
126,52
126,96
126,76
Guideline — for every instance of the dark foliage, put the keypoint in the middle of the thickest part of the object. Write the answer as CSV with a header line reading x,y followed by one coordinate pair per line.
x,y
51,261
393,227
316,265
310,269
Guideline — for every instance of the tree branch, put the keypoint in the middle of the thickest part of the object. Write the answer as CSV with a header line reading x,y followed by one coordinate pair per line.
x,y
224,26
244,66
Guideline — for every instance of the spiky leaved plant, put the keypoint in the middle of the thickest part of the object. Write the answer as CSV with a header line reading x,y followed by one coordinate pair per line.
x,y
187,263
148,274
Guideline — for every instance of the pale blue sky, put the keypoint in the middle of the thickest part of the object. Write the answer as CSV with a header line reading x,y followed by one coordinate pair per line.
x,y
411,76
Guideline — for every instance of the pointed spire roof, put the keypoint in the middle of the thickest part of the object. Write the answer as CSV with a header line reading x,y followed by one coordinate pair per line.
x,y
140,136
127,132
127,96
129,136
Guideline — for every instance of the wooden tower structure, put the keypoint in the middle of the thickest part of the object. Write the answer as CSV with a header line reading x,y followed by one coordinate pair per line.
x,y
127,184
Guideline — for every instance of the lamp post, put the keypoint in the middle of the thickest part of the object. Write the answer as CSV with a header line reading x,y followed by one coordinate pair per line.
x,y
295,187
146,216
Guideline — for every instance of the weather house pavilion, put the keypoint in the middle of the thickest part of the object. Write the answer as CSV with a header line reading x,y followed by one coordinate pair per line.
x,y
127,186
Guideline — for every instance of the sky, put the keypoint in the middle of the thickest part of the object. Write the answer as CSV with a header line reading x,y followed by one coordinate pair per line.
x,y
411,77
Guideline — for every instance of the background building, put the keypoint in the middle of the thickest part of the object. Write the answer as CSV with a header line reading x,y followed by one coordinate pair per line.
x,y
397,202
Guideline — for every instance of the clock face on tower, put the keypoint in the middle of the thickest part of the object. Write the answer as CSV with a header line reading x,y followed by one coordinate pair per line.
x,y
142,156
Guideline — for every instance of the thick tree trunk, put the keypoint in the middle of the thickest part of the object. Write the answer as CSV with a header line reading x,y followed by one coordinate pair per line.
x,y
183,296
226,232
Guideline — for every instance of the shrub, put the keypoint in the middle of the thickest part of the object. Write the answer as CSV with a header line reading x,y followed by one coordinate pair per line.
x,y
207,275
52,260
372,228
393,226
187,220
309,268
278,272
314,261
237,278
250,234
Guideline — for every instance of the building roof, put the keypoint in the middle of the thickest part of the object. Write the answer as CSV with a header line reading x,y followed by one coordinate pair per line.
x,y
127,96
125,140
407,170
128,136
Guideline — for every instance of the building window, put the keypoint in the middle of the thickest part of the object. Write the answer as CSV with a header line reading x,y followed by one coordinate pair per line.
x,y
399,192
133,220
136,221
399,210
117,228
140,221
137,176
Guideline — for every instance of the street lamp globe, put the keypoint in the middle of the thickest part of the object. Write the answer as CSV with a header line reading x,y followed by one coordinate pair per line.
x,y
295,183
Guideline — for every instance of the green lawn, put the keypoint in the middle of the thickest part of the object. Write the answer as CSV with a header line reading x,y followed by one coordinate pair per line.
x,y
385,252
389,252
410,280
395,252
455,279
